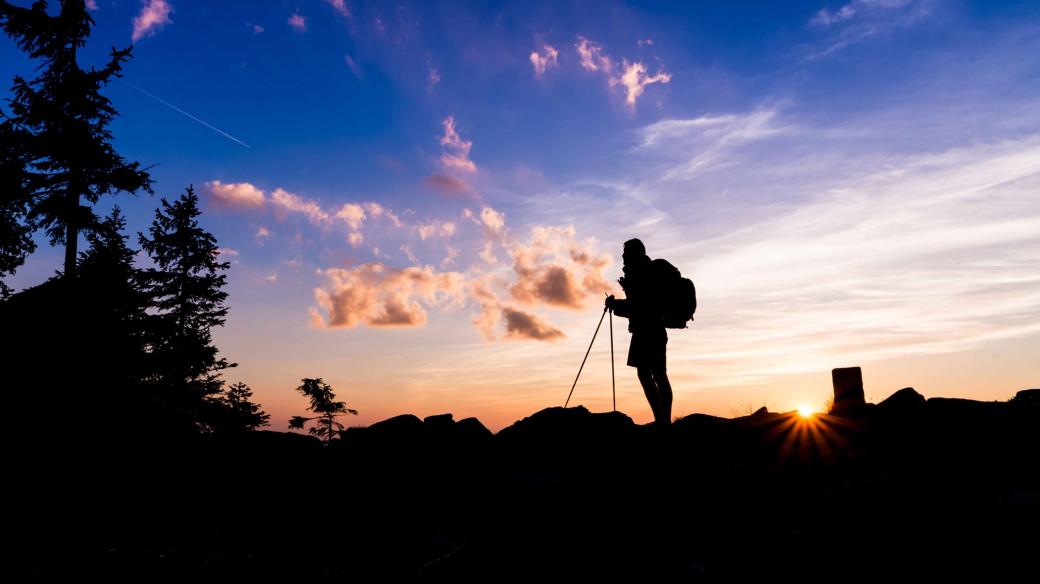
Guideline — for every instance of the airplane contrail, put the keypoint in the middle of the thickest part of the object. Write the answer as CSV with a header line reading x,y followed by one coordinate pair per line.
x,y
182,112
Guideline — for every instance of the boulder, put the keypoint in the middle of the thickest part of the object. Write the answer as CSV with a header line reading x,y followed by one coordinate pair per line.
x,y
904,401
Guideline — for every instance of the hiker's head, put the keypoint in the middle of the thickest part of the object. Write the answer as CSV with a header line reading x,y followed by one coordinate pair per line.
x,y
634,252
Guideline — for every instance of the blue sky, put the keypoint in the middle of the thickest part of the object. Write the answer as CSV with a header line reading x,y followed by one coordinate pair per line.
x,y
433,196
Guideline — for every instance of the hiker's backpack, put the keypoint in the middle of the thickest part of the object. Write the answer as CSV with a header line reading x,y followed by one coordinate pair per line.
x,y
677,294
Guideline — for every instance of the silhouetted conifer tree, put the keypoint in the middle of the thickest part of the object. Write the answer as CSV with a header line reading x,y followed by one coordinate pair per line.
x,y
59,120
117,297
187,298
240,413
323,403
15,235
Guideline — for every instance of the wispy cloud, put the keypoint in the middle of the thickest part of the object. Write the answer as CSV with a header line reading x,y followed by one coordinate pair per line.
x,y
153,16
630,75
543,60
456,156
693,146
928,253
859,20
634,79
297,22
352,64
339,6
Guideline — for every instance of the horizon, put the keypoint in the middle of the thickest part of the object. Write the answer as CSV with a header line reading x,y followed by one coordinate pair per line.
x,y
424,204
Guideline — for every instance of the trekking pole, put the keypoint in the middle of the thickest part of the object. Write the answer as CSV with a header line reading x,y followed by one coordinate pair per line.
x,y
613,387
586,357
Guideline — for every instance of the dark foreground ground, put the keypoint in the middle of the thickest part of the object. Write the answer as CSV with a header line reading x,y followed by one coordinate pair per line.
x,y
904,488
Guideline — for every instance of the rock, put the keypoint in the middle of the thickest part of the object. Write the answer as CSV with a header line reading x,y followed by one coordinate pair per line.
x,y
848,390
905,400
440,421
760,412
1027,397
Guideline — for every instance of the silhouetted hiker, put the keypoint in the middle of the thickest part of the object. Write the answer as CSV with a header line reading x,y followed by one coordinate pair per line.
x,y
642,306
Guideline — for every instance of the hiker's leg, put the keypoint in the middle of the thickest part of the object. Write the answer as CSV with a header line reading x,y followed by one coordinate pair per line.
x,y
646,379
664,392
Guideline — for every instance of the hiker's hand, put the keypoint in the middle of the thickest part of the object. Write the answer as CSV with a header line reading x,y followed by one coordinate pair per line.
x,y
609,302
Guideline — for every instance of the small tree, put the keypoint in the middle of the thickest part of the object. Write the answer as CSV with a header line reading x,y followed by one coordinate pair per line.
x,y
324,405
239,410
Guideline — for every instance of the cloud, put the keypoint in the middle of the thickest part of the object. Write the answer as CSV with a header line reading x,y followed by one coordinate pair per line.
x,y
355,238
340,6
376,210
352,214
493,220
235,195
153,16
449,185
647,42
856,9
288,202
524,325
353,66
297,22
91,5
592,57
544,60
712,140
556,270
633,76
861,19
262,233
257,29
635,80
453,254
380,296
227,254
435,228
488,253
433,77
457,155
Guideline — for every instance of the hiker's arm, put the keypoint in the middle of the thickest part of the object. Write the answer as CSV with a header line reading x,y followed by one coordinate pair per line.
x,y
621,307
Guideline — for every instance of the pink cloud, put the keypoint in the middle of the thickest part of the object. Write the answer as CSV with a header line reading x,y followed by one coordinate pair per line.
x,y
557,270
257,29
340,6
288,202
380,296
153,16
352,214
635,80
592,57
235,195
355,238
262,234
297,22
493,220
376,210
449,185
544,60
435,228
457,155
91,4
633,76
525,325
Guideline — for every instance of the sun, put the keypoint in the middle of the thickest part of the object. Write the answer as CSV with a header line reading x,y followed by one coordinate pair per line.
x,y
806,411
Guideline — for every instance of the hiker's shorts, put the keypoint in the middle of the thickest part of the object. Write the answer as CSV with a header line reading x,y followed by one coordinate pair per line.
x,y
647,349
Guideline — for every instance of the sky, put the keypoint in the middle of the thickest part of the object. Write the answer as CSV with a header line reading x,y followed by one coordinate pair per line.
x,y
424,203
